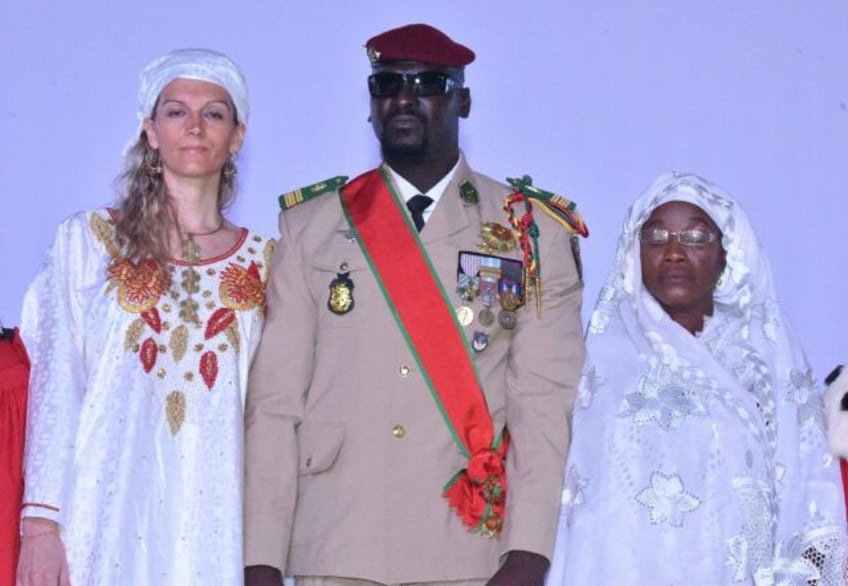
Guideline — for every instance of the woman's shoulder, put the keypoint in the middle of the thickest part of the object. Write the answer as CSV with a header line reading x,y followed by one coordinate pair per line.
x,y
86,227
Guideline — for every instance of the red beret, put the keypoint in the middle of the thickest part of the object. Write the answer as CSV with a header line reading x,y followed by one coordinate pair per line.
x,y
420,43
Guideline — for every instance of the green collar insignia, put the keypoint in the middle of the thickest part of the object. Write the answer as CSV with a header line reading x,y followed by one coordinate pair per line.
x,y
468,192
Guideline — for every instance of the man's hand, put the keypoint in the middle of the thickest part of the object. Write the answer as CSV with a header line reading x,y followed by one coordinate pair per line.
x,y
521,568
262,576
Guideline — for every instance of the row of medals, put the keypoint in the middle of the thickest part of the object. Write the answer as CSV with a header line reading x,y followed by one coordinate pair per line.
x,y
486,288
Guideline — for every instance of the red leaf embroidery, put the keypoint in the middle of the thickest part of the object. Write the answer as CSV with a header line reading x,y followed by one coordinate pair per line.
x,y
151,317
209,368
219,321
148,354
253,271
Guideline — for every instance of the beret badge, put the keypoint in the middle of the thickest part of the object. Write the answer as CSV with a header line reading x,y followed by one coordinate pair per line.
x,y
373,54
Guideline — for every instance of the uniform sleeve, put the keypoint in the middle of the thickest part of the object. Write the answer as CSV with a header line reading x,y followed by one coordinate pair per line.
x,y
542,375
52,329
276,395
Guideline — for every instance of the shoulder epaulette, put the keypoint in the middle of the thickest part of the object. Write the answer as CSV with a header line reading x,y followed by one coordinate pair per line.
x,y
561,209
292,198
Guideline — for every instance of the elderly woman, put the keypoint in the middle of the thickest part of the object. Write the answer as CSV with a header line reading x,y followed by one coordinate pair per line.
x,y
698,455
141,326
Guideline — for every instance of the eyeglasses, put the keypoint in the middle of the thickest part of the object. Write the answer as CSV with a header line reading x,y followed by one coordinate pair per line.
x,y
422,83
659,236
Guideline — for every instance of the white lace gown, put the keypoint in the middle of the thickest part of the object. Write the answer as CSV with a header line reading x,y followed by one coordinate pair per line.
x,y
135,425
698,460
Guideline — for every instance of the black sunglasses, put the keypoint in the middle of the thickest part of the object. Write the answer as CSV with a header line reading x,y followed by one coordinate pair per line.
x,y
422,83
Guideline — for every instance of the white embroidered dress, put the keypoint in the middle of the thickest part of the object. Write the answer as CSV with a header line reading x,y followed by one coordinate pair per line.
x,y
698,460
135,424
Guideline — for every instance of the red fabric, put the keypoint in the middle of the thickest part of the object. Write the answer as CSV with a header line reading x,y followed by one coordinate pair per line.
x,y
14,378
421,43
430,326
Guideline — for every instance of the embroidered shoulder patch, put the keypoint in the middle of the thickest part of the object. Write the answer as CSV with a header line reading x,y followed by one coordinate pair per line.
x,y
292,198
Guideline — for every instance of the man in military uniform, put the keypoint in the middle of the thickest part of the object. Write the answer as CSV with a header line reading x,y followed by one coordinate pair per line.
x,y
408,411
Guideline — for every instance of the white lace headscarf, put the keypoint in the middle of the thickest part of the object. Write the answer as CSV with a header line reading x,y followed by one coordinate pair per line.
x,y
704,456
197,64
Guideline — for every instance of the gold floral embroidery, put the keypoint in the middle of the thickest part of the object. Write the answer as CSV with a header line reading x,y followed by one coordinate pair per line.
x,y
241,288
270,246
179,342
233,336
133,334
175,410
139,284
188,311
103,230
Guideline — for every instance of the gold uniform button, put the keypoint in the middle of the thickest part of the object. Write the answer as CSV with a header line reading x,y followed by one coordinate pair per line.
x,y
404,371
398,431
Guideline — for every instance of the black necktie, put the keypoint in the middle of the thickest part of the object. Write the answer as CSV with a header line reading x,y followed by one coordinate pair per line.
x,y
417,204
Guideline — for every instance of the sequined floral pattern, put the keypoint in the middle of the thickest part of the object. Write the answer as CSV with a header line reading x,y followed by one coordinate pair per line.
x,y
139,285
667,500
172,320
666,397
242,288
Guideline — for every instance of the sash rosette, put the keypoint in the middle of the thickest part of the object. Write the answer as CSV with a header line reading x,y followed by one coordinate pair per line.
x,y
478,493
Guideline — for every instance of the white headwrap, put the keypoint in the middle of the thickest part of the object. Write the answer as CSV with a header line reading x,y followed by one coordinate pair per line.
x,y
698,459
198,64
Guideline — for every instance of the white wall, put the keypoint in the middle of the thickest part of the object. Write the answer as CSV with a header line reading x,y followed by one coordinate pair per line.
x,y
593,98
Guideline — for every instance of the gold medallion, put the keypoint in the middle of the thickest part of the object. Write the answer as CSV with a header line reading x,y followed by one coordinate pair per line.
x,y
509,300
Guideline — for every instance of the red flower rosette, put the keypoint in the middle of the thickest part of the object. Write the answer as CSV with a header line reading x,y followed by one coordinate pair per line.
x,y
242,288
478,493
139,284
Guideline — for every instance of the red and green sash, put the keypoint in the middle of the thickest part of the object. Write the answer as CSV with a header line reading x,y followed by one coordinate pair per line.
x,y
426,318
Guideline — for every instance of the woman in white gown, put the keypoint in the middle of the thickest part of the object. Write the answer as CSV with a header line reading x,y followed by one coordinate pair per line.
x,y
141,326
698,452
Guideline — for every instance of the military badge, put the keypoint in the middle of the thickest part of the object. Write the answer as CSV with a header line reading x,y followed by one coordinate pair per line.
x,y
468,193
480,341
341,294
510,298
373,54
491,279
496,238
